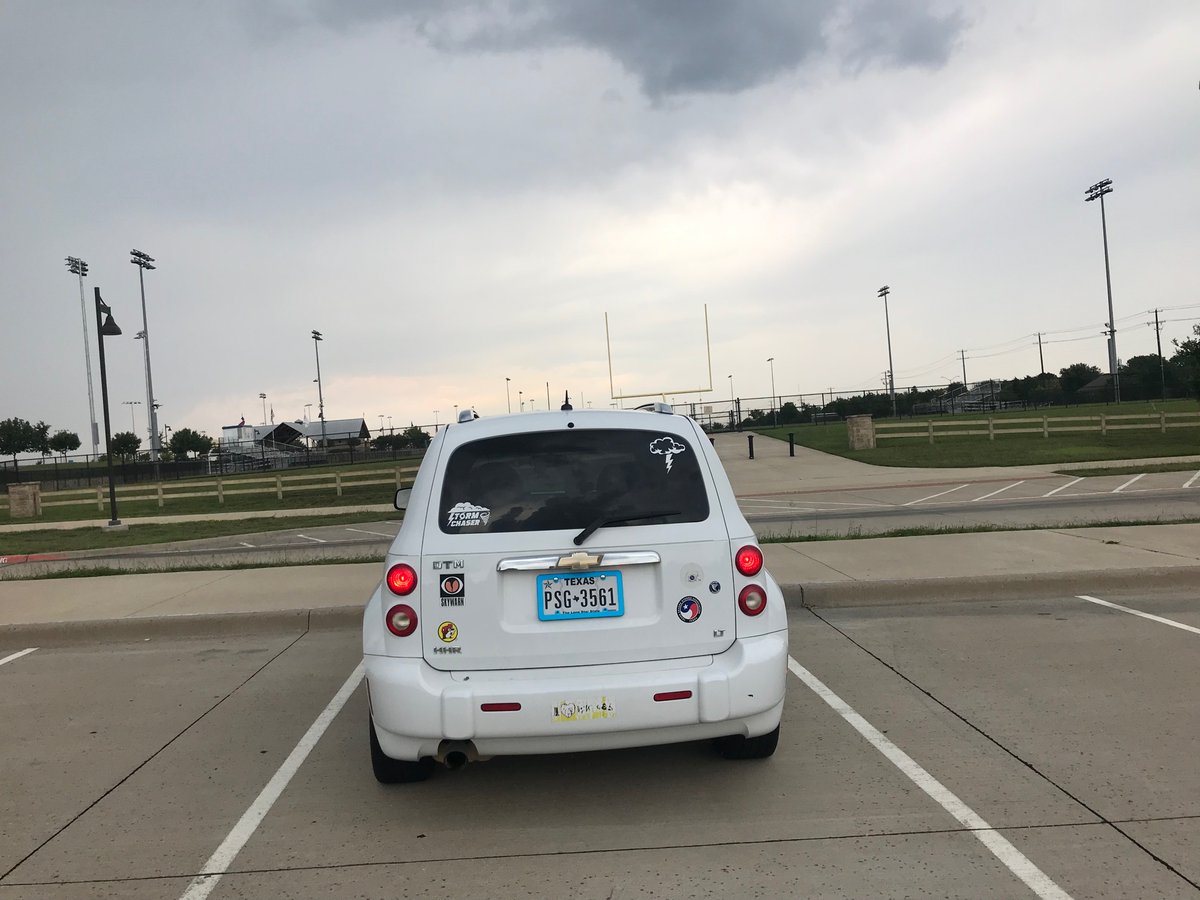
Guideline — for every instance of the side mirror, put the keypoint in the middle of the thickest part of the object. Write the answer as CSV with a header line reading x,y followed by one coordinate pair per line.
x,y
402,498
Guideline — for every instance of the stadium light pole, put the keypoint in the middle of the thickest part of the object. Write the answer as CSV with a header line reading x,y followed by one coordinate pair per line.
x,y
774,407
132,419
263,398
1097,192
107,328
883,292
508,392
317,338
144,261
77,266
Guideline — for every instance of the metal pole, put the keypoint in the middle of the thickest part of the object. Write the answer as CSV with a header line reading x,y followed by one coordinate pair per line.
x,y
883,292
963,354
1041,359
774,405
112,487
508,393
317,338
79,267
152,415
1162,369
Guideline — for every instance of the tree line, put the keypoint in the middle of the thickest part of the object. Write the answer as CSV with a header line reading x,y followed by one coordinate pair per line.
x,y
20,436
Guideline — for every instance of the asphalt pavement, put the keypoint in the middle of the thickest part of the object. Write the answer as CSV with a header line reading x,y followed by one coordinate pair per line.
x,y
814,573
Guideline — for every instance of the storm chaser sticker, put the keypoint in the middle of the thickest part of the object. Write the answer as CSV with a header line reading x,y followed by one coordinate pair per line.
x,y
467,515
583,710
453,589
667,447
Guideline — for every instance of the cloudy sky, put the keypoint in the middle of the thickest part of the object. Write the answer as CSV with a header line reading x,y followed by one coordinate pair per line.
x,y
457,193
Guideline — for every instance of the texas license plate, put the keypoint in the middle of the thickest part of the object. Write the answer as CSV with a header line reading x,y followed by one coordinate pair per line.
x,y
584,595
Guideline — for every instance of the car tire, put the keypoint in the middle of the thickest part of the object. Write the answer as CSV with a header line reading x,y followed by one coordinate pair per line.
x,y
737,746
396,771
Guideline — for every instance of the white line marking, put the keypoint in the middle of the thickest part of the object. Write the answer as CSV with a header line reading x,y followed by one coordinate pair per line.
x,y
218,864
15,656
244,544
1192,480
933,496
377,533
1061,487
1019,864
1136,612
994,493
1129,482
307,538
787,503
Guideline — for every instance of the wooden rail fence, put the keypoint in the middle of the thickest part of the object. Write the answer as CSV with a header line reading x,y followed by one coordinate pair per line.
x,y
1044,425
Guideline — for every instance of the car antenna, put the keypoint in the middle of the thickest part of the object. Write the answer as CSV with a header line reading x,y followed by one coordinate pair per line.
x,y
566,401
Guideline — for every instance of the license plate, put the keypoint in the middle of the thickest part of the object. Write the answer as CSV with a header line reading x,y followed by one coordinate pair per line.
x,y
583,595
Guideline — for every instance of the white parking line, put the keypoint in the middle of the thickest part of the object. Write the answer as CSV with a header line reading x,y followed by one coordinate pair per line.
x,y
218,864
994,493
1061,487
1192,480
1129,482
244,544
307,538
933,496
18,655
1019,864
376,533
1135,612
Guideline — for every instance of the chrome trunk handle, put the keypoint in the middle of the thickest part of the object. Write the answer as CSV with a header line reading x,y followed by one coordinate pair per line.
x,y
578,561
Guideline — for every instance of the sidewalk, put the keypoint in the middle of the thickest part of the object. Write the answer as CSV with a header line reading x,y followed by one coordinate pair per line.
x,y
820,573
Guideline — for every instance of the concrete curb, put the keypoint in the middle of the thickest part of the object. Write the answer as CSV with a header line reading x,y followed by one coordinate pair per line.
x,y
209,625
978,588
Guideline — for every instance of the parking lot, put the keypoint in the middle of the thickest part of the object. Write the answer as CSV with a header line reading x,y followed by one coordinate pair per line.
x,y
1042,746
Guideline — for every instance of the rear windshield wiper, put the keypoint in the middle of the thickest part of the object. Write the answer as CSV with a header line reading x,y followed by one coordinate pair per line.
x,y
604,521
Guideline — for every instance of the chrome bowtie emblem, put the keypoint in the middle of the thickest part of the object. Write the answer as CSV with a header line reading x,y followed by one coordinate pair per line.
x,y
579,560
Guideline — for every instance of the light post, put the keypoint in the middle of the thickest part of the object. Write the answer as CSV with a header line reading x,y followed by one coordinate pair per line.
x,y
107,328
1097,191
508,393
307,407
263,398
435,421
774,406
77,266
132,421
144,261
381,423
317,338
891,373
521,399
390,425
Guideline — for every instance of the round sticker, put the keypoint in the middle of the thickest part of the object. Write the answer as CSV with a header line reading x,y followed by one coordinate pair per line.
x,y
688,609
714,587
448,632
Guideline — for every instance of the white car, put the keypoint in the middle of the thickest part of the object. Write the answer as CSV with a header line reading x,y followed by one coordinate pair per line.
x,y
566,581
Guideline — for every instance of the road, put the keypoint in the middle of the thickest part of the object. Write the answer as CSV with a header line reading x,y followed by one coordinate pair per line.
x,y
1037,747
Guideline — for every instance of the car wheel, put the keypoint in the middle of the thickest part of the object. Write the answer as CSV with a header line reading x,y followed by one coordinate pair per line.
x,y
737,746
396,771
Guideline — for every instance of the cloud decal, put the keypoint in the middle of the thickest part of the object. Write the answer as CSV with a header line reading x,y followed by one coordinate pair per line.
x,y
668,447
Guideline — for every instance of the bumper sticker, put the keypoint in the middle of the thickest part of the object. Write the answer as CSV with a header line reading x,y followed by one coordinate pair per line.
x,y
688,609
583,710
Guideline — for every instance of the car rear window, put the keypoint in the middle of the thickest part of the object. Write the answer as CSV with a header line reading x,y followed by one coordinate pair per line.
x,y
541,481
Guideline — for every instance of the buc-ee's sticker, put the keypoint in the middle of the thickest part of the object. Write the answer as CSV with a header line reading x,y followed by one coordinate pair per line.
x,y
453,589
667,447
467,515
448,632
583,710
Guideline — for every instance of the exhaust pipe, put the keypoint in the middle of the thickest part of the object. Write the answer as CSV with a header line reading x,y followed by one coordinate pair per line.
x,y
456,754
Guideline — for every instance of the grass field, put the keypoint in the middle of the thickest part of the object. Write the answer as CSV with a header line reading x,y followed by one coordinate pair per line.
x,y
1013,449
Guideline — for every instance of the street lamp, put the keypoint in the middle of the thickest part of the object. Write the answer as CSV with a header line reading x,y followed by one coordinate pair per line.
x,y
317,338
508,393
77,266
131,404
774,408
107,328
1097,191
891,373
144,261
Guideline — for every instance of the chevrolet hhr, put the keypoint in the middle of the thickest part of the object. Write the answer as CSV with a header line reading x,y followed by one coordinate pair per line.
x,y
567,581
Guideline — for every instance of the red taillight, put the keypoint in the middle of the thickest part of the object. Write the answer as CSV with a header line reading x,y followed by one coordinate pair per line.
x,y
402,579
749,560
500,707
672,695
402,620
752,600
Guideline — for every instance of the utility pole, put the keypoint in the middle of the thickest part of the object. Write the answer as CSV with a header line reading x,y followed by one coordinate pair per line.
x,y
1162,369
1097,192
1041,359
883,292
963,355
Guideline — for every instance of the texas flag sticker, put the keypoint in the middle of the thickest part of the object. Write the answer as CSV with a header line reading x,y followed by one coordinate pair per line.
x,y
688,609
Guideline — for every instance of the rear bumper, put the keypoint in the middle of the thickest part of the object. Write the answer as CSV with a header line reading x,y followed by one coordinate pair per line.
x,y
416,707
